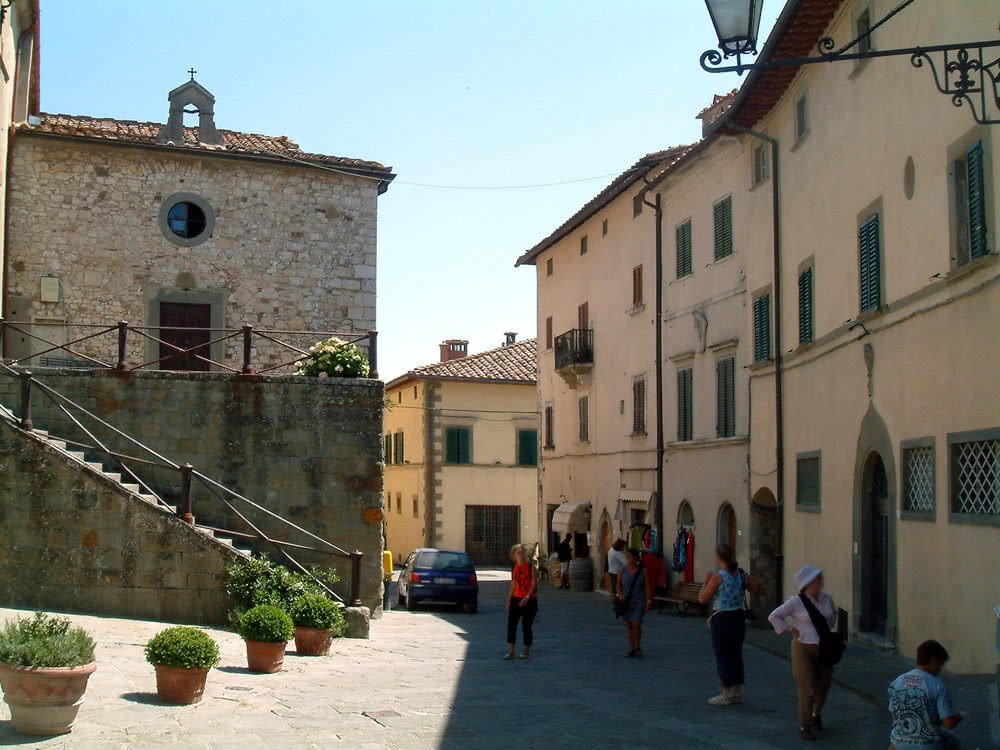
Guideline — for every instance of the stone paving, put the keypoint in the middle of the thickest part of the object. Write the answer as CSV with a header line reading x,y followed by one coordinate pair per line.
x,y
434,679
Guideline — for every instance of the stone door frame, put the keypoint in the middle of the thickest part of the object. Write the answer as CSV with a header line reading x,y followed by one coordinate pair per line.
x,y
215,298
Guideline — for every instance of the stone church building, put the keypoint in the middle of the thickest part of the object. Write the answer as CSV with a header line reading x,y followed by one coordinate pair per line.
x,y
175,226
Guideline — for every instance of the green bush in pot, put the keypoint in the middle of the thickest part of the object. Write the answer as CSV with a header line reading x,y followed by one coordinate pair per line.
x,y
266,630
182,657
317,611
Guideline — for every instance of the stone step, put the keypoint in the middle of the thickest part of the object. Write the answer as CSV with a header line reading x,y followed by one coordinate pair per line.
x,y
133,488
113,475
41,433
78,455
60,444
96,466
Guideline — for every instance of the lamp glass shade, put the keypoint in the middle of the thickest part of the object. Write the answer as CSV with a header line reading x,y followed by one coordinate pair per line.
x,y
736,24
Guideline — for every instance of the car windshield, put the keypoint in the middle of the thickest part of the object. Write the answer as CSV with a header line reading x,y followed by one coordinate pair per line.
x,y
443,560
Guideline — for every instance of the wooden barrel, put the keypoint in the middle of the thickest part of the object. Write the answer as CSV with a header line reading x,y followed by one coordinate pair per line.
x,y
581,574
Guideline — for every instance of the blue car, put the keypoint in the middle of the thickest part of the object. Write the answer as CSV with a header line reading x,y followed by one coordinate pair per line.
x,y
436,575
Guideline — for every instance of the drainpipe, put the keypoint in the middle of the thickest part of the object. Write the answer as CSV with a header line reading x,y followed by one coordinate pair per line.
x,y
779,432
658,265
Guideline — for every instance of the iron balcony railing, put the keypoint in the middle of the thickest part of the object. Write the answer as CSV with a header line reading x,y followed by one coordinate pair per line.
x,y
575,347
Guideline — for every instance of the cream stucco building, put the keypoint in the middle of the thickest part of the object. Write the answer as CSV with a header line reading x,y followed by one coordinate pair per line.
x,y
859,429
461,447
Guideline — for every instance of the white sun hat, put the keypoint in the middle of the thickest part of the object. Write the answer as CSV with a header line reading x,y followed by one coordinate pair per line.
x,y
806,575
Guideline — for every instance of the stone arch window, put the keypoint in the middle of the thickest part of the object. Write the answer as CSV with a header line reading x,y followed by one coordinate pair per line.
x,y
726,526
186,219
685,514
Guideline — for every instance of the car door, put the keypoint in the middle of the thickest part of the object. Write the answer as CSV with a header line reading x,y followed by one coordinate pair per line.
x,y
404,577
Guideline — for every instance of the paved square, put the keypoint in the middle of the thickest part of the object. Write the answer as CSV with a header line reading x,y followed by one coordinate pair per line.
x,y
434,679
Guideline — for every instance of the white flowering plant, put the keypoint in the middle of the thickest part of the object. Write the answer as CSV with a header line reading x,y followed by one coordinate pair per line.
x,y
334,358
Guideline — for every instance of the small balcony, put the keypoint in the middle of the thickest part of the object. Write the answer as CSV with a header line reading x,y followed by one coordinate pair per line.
x,y
575,356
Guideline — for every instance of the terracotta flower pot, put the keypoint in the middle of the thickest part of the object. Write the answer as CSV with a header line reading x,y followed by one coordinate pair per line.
x,y
264,656
312,641
46,700
179,684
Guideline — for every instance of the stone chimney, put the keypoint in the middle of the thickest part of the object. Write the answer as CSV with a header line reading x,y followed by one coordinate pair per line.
x,y
191,93
510,337
719,106
453,349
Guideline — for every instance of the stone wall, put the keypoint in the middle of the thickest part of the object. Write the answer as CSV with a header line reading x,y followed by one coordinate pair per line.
x,y
292,248
75,540
307,449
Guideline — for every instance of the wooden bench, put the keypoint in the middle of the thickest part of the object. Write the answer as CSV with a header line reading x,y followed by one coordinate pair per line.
x,y
684,598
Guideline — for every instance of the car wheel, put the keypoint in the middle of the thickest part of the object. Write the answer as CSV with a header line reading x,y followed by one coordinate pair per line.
x,y
470,607
411,603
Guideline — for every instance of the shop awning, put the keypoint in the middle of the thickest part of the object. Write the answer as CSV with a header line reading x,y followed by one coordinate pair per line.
x,y
572,516
635,500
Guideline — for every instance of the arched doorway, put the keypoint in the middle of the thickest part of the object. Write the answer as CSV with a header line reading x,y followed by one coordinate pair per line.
x,y
725,526
764,548
875,546
605,547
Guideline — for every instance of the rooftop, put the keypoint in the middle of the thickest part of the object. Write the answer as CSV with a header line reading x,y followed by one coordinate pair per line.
x,y
514,363
234,142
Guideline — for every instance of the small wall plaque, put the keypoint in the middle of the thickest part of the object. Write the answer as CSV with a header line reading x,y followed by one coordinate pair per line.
x,y
372,515
49,289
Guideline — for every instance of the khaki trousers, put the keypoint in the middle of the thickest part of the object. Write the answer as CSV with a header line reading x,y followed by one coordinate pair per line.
x,y
812,680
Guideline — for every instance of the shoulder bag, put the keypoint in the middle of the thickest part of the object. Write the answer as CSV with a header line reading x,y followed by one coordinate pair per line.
x,y
622,606
831,646
748,613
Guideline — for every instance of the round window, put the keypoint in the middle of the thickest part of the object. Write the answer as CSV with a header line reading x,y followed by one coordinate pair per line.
x,y
186,219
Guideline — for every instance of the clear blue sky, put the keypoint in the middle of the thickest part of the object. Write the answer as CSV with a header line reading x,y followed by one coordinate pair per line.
x,y
453,93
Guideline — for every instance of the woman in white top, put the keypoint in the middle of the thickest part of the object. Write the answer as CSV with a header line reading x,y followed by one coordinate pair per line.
x,y
811,678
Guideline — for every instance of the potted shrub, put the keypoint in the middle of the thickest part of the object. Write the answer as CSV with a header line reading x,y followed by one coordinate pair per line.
x,y
182,657
267,630
45,663
317,620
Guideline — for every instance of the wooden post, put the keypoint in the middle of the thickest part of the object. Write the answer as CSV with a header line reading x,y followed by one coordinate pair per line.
x,y
26,400
247,338
355,596
186,511
373,354
122,343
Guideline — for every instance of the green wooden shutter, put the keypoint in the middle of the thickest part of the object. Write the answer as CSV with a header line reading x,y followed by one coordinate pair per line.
x,y
685,406
683,249
464,440
806,306
869,263
725,422
400,452
723,215
977,201
451,445
527,447
762,328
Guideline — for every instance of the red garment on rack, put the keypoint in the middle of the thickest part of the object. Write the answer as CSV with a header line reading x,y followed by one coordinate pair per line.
x,y
689,568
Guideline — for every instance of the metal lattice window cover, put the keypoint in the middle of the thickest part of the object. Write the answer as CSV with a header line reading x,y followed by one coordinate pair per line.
x,y
918,479
976,477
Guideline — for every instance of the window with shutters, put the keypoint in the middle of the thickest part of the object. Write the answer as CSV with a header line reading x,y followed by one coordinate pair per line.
x,y
862,30
604,228
636,205
416,507
639,407
870,264
637,286
975,476
685,404
548,267
725,385
762,328
549,428
722,214
527,447
399,503
583,407
458,445
801,117
683,239
548,332
583,245
806,306
970,205
583,316
387,448
918,479
761,163
807,481
398,454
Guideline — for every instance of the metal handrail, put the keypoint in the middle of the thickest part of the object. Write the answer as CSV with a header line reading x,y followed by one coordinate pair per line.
x,y
187,472
123,327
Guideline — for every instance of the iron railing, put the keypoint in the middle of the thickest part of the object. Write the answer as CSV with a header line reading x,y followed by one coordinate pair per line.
x,y
575,347
188,475
119,356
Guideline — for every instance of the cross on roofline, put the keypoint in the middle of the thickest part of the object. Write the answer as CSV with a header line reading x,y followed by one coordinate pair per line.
x,y
192,71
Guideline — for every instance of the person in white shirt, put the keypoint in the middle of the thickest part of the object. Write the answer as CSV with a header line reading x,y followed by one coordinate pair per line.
x,y
812,679
616,562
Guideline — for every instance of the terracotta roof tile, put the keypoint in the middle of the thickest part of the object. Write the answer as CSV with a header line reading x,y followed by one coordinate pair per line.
x,y
515,363
618,186
233,141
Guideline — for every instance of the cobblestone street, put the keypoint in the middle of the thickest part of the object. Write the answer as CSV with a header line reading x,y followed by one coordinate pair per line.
x,y
434,679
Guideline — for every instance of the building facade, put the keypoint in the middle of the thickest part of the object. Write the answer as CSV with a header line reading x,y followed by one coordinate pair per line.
x,y
167,226
461,453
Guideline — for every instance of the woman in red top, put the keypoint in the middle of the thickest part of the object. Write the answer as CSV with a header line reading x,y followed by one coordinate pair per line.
x,y
522,601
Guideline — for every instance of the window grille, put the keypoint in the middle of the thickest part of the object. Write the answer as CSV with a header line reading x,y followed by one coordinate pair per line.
x,y
918,478
976,477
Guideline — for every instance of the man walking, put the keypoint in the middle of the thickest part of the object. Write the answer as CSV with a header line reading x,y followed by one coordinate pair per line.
x,y
920,704
565,551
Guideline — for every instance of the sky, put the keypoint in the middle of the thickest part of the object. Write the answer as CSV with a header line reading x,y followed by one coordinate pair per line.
x,y
481,97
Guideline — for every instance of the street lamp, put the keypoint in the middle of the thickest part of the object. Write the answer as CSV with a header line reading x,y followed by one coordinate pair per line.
x,y
969,72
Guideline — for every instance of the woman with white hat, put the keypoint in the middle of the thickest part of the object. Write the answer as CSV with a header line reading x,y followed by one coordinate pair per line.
x,y
812,675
